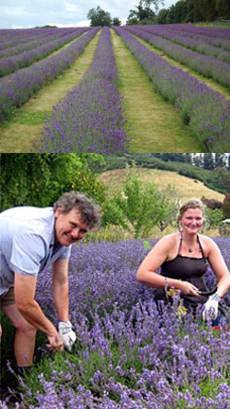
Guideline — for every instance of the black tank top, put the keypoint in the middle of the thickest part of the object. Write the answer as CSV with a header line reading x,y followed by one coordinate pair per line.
x,y
190,269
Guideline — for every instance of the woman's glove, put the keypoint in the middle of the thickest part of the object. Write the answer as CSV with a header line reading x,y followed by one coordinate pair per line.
x,y
67,335
210,311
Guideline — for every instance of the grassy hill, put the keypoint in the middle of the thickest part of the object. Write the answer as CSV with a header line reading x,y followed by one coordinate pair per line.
x,y
184,187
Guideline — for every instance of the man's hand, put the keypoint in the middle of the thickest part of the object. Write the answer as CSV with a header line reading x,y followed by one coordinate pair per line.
x,y
210,311
55,343
67,335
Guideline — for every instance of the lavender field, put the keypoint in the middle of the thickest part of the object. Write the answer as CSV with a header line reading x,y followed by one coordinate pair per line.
x,y
127,356
26,66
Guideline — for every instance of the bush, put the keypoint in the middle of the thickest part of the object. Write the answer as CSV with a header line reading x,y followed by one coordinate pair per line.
x,y
212,203
213,218
224,228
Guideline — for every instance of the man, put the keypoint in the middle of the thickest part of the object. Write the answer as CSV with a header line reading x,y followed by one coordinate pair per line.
x,y
31,239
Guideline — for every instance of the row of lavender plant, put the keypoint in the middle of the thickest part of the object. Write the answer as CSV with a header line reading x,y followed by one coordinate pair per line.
x,y
206,110
12,37
212,38
213,32
210,67
89,118
17,88
128,355
26,58
33,42
196,44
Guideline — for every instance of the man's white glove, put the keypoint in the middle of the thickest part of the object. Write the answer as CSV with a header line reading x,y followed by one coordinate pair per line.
x,y
67,335
210,311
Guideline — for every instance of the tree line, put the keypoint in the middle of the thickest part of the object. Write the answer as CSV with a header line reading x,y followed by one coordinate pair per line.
x,y
184,11
210,161
149,12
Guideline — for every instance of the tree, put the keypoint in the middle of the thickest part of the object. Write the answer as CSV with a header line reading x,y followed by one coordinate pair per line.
x,y
139,207
39,179
197,160
223,178
204,10
209,161
116,21
149,3
99,17
180,12
162,16
223,8
219,160
143,15
188,158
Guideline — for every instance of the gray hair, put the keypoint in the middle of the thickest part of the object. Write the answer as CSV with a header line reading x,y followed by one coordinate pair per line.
x,y
89,212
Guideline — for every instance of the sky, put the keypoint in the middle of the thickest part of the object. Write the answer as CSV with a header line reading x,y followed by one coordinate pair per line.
x,y
62,13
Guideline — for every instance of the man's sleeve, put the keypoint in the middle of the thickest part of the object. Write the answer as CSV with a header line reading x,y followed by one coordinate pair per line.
x,y
65,253
28,251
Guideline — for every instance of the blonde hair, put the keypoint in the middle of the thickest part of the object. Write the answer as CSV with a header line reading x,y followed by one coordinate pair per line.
x,y
191,204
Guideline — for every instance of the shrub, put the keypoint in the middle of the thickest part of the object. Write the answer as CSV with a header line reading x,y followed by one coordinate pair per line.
x,y
226,206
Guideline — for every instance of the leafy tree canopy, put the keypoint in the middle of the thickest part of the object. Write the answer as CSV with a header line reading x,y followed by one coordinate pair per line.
x,y
116,21
39,179
99,17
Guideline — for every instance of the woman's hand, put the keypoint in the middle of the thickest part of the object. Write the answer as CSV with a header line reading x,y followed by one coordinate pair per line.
x,y
188,288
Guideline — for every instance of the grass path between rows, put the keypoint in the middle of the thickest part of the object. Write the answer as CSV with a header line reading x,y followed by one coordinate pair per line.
x,y
155,125
26,127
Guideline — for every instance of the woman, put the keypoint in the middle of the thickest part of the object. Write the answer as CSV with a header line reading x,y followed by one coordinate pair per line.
x,y
183,257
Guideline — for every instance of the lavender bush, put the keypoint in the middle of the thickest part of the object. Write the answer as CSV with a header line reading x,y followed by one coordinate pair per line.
x,y
127,355
17,88
90,117
206,111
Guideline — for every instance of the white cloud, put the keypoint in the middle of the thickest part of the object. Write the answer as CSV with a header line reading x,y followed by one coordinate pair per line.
x,y
83,23
71,8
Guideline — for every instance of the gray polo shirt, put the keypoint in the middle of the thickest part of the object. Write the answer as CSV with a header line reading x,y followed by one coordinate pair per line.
x,y
27,243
